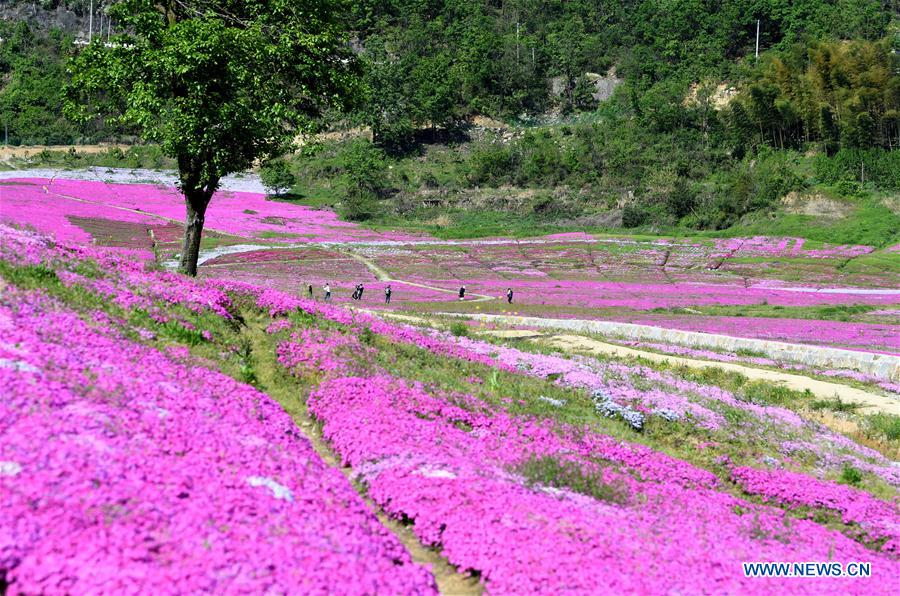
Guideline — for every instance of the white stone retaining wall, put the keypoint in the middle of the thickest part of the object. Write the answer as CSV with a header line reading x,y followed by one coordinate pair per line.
x,y
882,366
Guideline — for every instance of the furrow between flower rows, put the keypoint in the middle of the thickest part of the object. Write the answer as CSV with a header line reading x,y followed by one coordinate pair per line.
x,y
464,474
124,471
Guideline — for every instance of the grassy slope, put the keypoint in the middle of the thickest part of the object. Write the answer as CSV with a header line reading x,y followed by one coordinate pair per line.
x,y
243,351
321,184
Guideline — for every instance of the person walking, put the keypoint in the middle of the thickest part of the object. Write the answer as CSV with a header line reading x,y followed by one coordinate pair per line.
x,y
355,295
327,289
462,292
509,295
387,294
309,291
360,292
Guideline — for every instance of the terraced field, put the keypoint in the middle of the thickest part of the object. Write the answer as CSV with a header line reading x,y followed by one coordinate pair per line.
x,y
170,434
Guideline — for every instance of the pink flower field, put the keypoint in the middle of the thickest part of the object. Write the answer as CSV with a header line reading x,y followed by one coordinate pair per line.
x,y
226,434
647,296
124,470
47,204
860,336
154,439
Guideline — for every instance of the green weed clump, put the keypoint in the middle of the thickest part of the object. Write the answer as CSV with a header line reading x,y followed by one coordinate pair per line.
x,y
850,475
835,404
459,329
883,425
557,473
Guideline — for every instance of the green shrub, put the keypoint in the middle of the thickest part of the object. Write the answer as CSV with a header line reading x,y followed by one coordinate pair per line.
x,y
850,475
884,425
834,404
459,329
634,216
556,473
490,164
364,167
277,176
850,168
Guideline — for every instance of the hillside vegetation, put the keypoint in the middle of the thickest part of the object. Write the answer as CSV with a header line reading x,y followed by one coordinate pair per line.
x,y
647,115
572,461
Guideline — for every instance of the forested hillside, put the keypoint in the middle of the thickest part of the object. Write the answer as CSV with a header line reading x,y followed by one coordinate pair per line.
x,y
654,111
432,61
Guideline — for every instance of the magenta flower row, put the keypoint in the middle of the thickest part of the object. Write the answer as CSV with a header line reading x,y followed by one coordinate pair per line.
x,y
452,471
122,471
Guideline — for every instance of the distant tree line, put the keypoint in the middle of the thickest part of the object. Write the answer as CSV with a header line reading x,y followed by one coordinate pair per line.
x,y
433,62
843,94
33,76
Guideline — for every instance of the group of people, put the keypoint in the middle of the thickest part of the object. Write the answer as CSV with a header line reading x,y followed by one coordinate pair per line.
x,y
509,294
326,289
359,289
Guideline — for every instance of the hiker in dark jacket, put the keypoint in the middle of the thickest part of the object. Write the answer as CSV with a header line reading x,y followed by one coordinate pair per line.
x,y
462,292
509,295
361,289
387,294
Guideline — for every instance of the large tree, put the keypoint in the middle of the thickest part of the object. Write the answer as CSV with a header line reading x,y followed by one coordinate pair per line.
x,y
218,84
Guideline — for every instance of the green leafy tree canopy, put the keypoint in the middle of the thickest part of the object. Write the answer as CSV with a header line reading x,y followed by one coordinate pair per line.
x,y
217,83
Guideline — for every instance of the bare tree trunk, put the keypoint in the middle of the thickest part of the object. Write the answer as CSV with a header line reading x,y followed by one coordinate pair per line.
x,y
197,190
193,230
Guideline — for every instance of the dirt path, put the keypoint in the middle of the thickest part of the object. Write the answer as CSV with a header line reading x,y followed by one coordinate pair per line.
x,y
875,364
449,580
382,275
869,402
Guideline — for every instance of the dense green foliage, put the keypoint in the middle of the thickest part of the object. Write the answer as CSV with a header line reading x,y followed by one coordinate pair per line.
x,y
364,167
187,75
276,175
32,74
843,94
698,134
432,61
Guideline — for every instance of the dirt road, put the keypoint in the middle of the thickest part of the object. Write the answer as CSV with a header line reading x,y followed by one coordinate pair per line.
x,y
869,403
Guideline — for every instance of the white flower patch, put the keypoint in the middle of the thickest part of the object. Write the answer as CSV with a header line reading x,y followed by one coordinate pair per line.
x,y
557,403
278,491
432,472
18,365
9,468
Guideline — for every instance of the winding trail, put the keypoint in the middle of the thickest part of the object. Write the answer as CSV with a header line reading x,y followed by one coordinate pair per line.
x,y
382,275
869,402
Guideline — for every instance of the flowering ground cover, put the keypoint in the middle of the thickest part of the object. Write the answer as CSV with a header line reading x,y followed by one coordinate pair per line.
x,y
573,276
246,214
647,296
865,336
342,274
23,203
480,466
537,472
460,472
761,361
624,260
124,470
